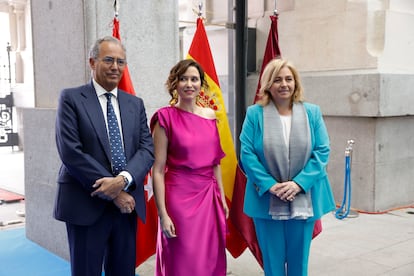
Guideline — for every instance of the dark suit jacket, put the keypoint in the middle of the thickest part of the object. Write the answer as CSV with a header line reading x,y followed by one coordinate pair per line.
x,y
83,146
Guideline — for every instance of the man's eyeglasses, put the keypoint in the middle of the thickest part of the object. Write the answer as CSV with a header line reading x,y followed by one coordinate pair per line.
x,y
110,61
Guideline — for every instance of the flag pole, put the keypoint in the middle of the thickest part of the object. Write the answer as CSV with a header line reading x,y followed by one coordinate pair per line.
x,y
240,68
200,8
275,12
116,8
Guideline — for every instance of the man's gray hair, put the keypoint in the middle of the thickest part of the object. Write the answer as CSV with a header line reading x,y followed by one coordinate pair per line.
x,y
94,51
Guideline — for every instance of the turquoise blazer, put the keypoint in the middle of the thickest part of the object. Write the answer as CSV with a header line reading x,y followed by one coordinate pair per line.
x,y
312,177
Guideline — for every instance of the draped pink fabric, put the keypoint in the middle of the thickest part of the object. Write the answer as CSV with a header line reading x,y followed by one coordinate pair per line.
x,y
193,198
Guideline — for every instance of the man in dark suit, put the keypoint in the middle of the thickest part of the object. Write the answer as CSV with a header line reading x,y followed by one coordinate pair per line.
x,y
98,203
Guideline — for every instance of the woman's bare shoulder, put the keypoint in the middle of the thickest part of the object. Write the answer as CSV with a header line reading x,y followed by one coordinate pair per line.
x,y
208,113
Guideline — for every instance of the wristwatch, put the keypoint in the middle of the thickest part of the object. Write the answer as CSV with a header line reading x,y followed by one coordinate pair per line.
x,y
126,182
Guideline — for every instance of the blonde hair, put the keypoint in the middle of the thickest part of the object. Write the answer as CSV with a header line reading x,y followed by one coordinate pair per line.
x,y
270,73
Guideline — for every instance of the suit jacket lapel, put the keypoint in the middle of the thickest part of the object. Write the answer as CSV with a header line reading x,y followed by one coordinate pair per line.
x,y
94,111
127,119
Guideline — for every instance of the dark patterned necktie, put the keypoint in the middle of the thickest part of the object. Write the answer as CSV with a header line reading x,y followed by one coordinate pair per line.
x,y
117,150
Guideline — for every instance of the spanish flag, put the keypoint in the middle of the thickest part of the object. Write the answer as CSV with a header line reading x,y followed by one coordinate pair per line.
x,y
200,52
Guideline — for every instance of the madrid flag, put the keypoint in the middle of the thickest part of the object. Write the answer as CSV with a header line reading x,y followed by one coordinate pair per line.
x,y
241,221
273,51
146,237
200,52
125,83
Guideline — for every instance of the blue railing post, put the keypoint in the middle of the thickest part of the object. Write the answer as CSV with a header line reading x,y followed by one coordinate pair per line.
x,y
343,211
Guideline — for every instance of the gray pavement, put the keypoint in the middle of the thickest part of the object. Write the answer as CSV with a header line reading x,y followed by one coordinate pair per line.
x,y
361,244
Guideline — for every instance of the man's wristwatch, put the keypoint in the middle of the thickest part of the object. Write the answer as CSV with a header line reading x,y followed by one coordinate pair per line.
x,y
126,182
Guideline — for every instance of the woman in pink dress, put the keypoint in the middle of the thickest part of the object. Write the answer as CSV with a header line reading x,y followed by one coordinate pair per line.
x,y
188,188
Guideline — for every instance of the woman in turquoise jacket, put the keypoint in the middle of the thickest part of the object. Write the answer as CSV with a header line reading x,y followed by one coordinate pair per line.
x,y
284,152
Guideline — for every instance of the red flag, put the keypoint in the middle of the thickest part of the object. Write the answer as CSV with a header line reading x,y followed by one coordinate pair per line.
x,y
200,52
241,221
125,83
146,237
146,240
272,49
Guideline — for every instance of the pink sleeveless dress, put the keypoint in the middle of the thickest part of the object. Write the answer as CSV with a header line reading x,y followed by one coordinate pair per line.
x,y
192,197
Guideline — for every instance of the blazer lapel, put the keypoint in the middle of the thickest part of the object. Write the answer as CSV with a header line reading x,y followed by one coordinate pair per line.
x,y
127,121
94,111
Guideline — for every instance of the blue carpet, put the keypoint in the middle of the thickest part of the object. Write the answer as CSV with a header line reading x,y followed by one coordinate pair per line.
x,y
21,257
